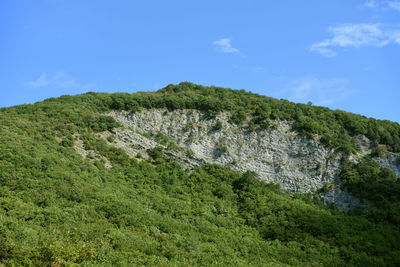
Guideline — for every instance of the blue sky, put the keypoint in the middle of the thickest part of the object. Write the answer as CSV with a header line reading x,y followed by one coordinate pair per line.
x,y
340,54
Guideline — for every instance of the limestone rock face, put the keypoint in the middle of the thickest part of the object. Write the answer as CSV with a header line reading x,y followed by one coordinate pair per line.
x,y
277,154
389,160
386,159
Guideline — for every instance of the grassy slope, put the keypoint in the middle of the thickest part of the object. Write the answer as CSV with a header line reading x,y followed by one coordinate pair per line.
x,y
57,208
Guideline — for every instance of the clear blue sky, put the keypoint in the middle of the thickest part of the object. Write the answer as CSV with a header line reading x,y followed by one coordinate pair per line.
x,y
341,54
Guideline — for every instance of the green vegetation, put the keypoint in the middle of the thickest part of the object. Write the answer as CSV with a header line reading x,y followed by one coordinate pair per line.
x,y
58,209
217,126
162,139
189,153
111,138
187,127
337,128
238,117
379,187
220,149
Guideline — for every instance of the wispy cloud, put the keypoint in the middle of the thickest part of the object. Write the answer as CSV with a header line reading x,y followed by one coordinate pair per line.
x,y
383,4
224,45
39,82
370,4
59,79
319,91
357,35
395,5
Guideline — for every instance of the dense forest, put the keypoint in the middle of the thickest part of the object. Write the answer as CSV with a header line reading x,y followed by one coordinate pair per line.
x,y
58,209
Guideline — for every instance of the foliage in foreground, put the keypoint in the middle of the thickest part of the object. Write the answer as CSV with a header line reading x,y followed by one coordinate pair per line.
x,y
378,187
56,208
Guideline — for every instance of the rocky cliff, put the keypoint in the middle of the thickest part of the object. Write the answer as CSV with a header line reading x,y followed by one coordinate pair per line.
x,y
277,154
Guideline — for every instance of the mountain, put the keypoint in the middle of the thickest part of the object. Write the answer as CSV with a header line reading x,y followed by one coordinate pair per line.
x,y
195,175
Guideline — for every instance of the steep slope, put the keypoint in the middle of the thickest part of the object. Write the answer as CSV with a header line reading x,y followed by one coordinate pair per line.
x,y
159,201
276,154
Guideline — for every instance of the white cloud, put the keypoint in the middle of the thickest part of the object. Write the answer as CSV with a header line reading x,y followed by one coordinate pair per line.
x,y
383,4
323,50
357,35
319,91
224,45
39,82
59,79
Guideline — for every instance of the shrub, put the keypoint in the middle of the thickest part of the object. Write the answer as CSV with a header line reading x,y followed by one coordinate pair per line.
x,y
111,138
217,126
68,141
220,149
189,153
238,117
376,151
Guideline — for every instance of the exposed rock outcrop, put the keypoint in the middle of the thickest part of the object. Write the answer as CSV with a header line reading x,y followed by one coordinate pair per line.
x,y
277,154
89,154
389,160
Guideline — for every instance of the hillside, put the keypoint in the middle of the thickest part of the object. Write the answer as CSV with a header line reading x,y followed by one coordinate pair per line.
x,y
194,175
